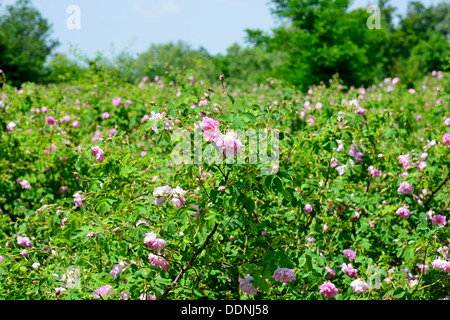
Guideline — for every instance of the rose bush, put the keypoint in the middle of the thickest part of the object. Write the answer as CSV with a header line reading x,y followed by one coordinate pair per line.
x,y
97,207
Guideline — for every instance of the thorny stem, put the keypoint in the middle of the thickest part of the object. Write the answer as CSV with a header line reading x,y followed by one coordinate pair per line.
x,y
433,193
368,184
189,264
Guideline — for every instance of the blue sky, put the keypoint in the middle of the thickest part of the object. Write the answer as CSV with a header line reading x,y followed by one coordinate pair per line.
x,y
111,26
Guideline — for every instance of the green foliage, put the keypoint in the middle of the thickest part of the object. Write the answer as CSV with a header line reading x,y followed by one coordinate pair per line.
x,y
322,38
25,43
218,237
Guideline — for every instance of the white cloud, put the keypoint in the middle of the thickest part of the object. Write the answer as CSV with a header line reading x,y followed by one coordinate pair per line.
x,y
162,8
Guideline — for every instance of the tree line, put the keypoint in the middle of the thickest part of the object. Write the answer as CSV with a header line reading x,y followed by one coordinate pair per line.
x,y
314,41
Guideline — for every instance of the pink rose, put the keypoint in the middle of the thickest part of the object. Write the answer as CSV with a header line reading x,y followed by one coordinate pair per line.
x,y
145,118
404,160
350,254
447,122
446,139
153,242
349,270
116,101
50,121
441,265
159,201
78,199
229,143
328,290
284,275
246,285
98,154
105,115
422,165
178,202
440,220
24,242
405,188
359,286
210,129
63,189
333,162
403,212
356,153
147,297
374,172
331,273
158,262
103,291
10,126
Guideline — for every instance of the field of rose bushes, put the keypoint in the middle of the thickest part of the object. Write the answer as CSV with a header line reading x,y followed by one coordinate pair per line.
x,y
93,204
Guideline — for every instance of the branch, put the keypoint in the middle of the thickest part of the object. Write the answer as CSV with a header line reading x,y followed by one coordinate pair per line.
x,y
189,264
437,190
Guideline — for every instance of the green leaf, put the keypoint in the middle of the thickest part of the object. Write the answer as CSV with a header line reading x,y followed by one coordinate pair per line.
x,y
143,273
278,184
231,98
173,112
250,116
301,261
309,265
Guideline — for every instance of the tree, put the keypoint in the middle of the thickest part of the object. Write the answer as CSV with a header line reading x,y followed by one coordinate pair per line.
x,y
320,39
161,57
421,42
25,43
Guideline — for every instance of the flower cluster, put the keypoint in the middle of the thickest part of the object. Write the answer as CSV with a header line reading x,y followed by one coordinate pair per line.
x,y
154,243
78,199
176,195
441,265
374,172
354,152
228,143
349,270
158,262
98,154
